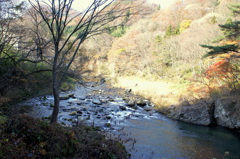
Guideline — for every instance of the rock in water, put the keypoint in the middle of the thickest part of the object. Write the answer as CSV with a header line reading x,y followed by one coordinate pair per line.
x,y
73,113
97,101
200,114
130,103
64,97
141,103
122,108
227,112
71,95
147,109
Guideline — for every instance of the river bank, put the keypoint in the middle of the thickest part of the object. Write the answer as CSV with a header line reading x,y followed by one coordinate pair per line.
x,y
134,121
168,97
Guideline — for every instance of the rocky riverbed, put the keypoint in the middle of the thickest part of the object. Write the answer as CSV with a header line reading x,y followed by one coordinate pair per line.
x,y
94,104
134,121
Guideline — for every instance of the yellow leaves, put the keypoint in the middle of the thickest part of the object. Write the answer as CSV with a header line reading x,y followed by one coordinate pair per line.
x,y
185,24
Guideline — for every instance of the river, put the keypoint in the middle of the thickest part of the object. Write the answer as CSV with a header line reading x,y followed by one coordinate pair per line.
x,y
152,135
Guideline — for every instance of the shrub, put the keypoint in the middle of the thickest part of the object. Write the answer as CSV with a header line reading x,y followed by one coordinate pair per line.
x,y
213,20
223,72
172,31
119,31
184,25
26,137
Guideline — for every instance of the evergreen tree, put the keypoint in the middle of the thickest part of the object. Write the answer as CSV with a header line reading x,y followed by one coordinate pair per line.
x,y
231,31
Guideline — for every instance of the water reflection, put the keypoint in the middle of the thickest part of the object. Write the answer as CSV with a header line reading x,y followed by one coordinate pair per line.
x,y
165,138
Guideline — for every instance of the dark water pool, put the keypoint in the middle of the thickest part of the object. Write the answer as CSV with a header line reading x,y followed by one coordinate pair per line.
x,y
163,138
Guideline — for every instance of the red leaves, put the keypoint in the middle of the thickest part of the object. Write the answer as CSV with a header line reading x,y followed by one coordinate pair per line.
x,y
221,69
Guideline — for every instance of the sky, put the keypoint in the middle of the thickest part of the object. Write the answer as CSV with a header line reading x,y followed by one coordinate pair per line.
x,y
81,5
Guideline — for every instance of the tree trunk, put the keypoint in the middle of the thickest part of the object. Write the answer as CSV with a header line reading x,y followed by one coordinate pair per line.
x,y
55,88
56,103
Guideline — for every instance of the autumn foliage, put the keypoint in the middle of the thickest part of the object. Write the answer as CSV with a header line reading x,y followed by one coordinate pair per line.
x,y
220,69
223,72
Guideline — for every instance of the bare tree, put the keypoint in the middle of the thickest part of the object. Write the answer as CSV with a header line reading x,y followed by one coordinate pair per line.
x,y
58,14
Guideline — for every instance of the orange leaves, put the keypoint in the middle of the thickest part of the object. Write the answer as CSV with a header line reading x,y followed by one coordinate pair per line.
x,y
220,69
224,73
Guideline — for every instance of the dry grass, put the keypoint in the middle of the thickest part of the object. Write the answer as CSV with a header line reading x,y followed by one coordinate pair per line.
x,y
166,92
162,92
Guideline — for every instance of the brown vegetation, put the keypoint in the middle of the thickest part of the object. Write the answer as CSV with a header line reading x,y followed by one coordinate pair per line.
x,y
146,51
26,137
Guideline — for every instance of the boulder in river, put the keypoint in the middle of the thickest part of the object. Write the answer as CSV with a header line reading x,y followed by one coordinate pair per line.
x,y
81,98
66,97
200,113
122,107
147,109
130,103
141,102
227,112
73,113
71,95
110,99
97,101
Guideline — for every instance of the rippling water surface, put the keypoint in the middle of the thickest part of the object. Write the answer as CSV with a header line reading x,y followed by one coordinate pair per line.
x,y
157,137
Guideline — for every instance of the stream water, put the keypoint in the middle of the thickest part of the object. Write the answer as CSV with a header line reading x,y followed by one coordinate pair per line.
x,y
152,134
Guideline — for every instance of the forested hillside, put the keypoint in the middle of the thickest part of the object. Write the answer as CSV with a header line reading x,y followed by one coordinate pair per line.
x,y
164,45
182,61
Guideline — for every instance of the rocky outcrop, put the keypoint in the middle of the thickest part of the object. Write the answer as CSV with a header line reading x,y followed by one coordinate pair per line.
x,y
227,112
200,113
224,111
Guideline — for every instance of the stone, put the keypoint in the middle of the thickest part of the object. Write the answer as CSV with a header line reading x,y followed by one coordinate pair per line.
x,y
73,113
130,103
122,108
71,95
129,90
78,103
65,110
104,100
200,113
147,109
81,98
66,97
227,112
97,101
110,99
79,112
141,102
134,107
102,80
108,117
107,124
